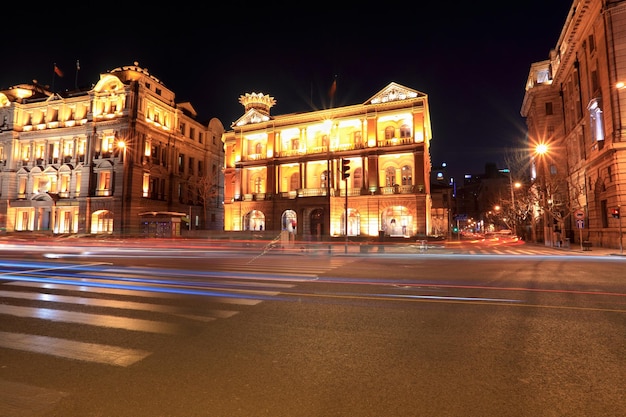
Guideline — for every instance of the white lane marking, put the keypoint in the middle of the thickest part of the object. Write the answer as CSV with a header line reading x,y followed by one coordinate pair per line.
x,y
89,352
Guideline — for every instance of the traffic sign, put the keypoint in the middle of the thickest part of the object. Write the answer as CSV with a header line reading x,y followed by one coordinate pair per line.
x,y
580,224
579,214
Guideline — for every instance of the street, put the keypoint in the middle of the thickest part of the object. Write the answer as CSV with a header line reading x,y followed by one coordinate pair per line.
x,y
227,333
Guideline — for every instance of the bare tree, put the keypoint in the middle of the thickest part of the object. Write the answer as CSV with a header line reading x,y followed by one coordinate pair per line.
x,y
207,189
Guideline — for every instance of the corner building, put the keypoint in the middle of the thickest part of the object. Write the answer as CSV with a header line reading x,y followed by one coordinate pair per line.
x,y
121,158
284,173
575,104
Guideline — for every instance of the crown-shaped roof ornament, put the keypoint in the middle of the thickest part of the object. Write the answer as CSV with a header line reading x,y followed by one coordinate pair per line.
x,y
258,101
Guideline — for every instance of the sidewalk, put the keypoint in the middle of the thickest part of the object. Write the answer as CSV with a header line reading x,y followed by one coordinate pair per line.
x,y
576,248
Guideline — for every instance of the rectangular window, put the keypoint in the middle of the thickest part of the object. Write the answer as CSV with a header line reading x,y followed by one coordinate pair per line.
x,y
78,179
22,185
181,163
104,183
594,81
548,108
146,185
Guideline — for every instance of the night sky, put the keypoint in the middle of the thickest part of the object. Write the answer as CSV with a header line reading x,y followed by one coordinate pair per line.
x,y
471,58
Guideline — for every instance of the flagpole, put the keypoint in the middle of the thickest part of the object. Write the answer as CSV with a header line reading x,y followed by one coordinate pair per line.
x,y
54,73
76,78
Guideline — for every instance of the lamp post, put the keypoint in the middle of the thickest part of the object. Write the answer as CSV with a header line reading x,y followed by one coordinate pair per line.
x,y
541,150
122,145
513,207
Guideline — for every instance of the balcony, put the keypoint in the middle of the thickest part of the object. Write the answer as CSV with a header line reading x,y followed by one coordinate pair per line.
x,y
402,189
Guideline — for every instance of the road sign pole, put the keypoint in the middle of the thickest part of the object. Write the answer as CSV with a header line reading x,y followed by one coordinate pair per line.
x,y
581,238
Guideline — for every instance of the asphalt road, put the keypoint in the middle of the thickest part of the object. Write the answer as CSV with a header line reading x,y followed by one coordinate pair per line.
x,y
215,333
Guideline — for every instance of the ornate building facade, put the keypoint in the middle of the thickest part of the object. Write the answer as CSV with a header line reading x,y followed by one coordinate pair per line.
x,y
360,170
575,105
121,158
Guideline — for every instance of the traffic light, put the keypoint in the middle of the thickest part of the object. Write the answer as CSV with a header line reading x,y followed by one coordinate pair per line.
x,y
345,168
615,212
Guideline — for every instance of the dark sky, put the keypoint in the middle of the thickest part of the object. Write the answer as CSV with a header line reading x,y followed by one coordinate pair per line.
x,y
471,58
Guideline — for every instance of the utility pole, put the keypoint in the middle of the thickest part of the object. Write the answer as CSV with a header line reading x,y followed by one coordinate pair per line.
x,y
345,174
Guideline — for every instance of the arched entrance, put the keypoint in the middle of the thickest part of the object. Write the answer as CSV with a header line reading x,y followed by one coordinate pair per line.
x,y
317,224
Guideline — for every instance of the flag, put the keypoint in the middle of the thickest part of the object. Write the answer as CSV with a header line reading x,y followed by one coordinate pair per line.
x,y
58,71
333,89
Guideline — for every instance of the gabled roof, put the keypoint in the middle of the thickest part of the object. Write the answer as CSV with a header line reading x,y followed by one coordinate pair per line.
x,y
394,92
250,117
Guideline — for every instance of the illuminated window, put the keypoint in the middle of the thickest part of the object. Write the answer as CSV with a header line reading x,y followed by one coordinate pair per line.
x,y
68,148
294,182
405,131
26,152
104,183
22,185
324,180
107,143
596,124
146,185
78,178
390,177
407,175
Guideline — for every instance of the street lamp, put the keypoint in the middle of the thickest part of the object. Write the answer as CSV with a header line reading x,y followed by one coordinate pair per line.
x,y
541,150
122,145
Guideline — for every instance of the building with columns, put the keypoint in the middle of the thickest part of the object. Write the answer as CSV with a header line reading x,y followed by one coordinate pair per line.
x,y
359,170
575,110
120,158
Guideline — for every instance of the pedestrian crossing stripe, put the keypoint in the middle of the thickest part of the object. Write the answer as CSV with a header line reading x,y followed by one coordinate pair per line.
x,y
71,349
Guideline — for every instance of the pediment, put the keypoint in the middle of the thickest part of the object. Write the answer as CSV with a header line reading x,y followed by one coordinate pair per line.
x,y
252,116
108,83
394,92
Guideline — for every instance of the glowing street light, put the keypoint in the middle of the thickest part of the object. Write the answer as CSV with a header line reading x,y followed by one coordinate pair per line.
x,y
542,150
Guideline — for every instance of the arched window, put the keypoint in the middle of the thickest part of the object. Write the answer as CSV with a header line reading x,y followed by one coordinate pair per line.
x,y
294,181
390,132
324,179
596,124
254,220
407,175
258,148
258,184
405,131
289,221
390,177
357,175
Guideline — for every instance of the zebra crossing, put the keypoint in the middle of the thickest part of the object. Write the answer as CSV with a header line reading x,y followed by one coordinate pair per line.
x,y
145,302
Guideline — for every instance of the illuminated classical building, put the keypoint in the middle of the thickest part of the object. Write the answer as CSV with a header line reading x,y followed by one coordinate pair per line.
x,y
575,110
285,173
120,158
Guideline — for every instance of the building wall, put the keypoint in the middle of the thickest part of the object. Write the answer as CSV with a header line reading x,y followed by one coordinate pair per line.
x,y
64,170
587,143
292,164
